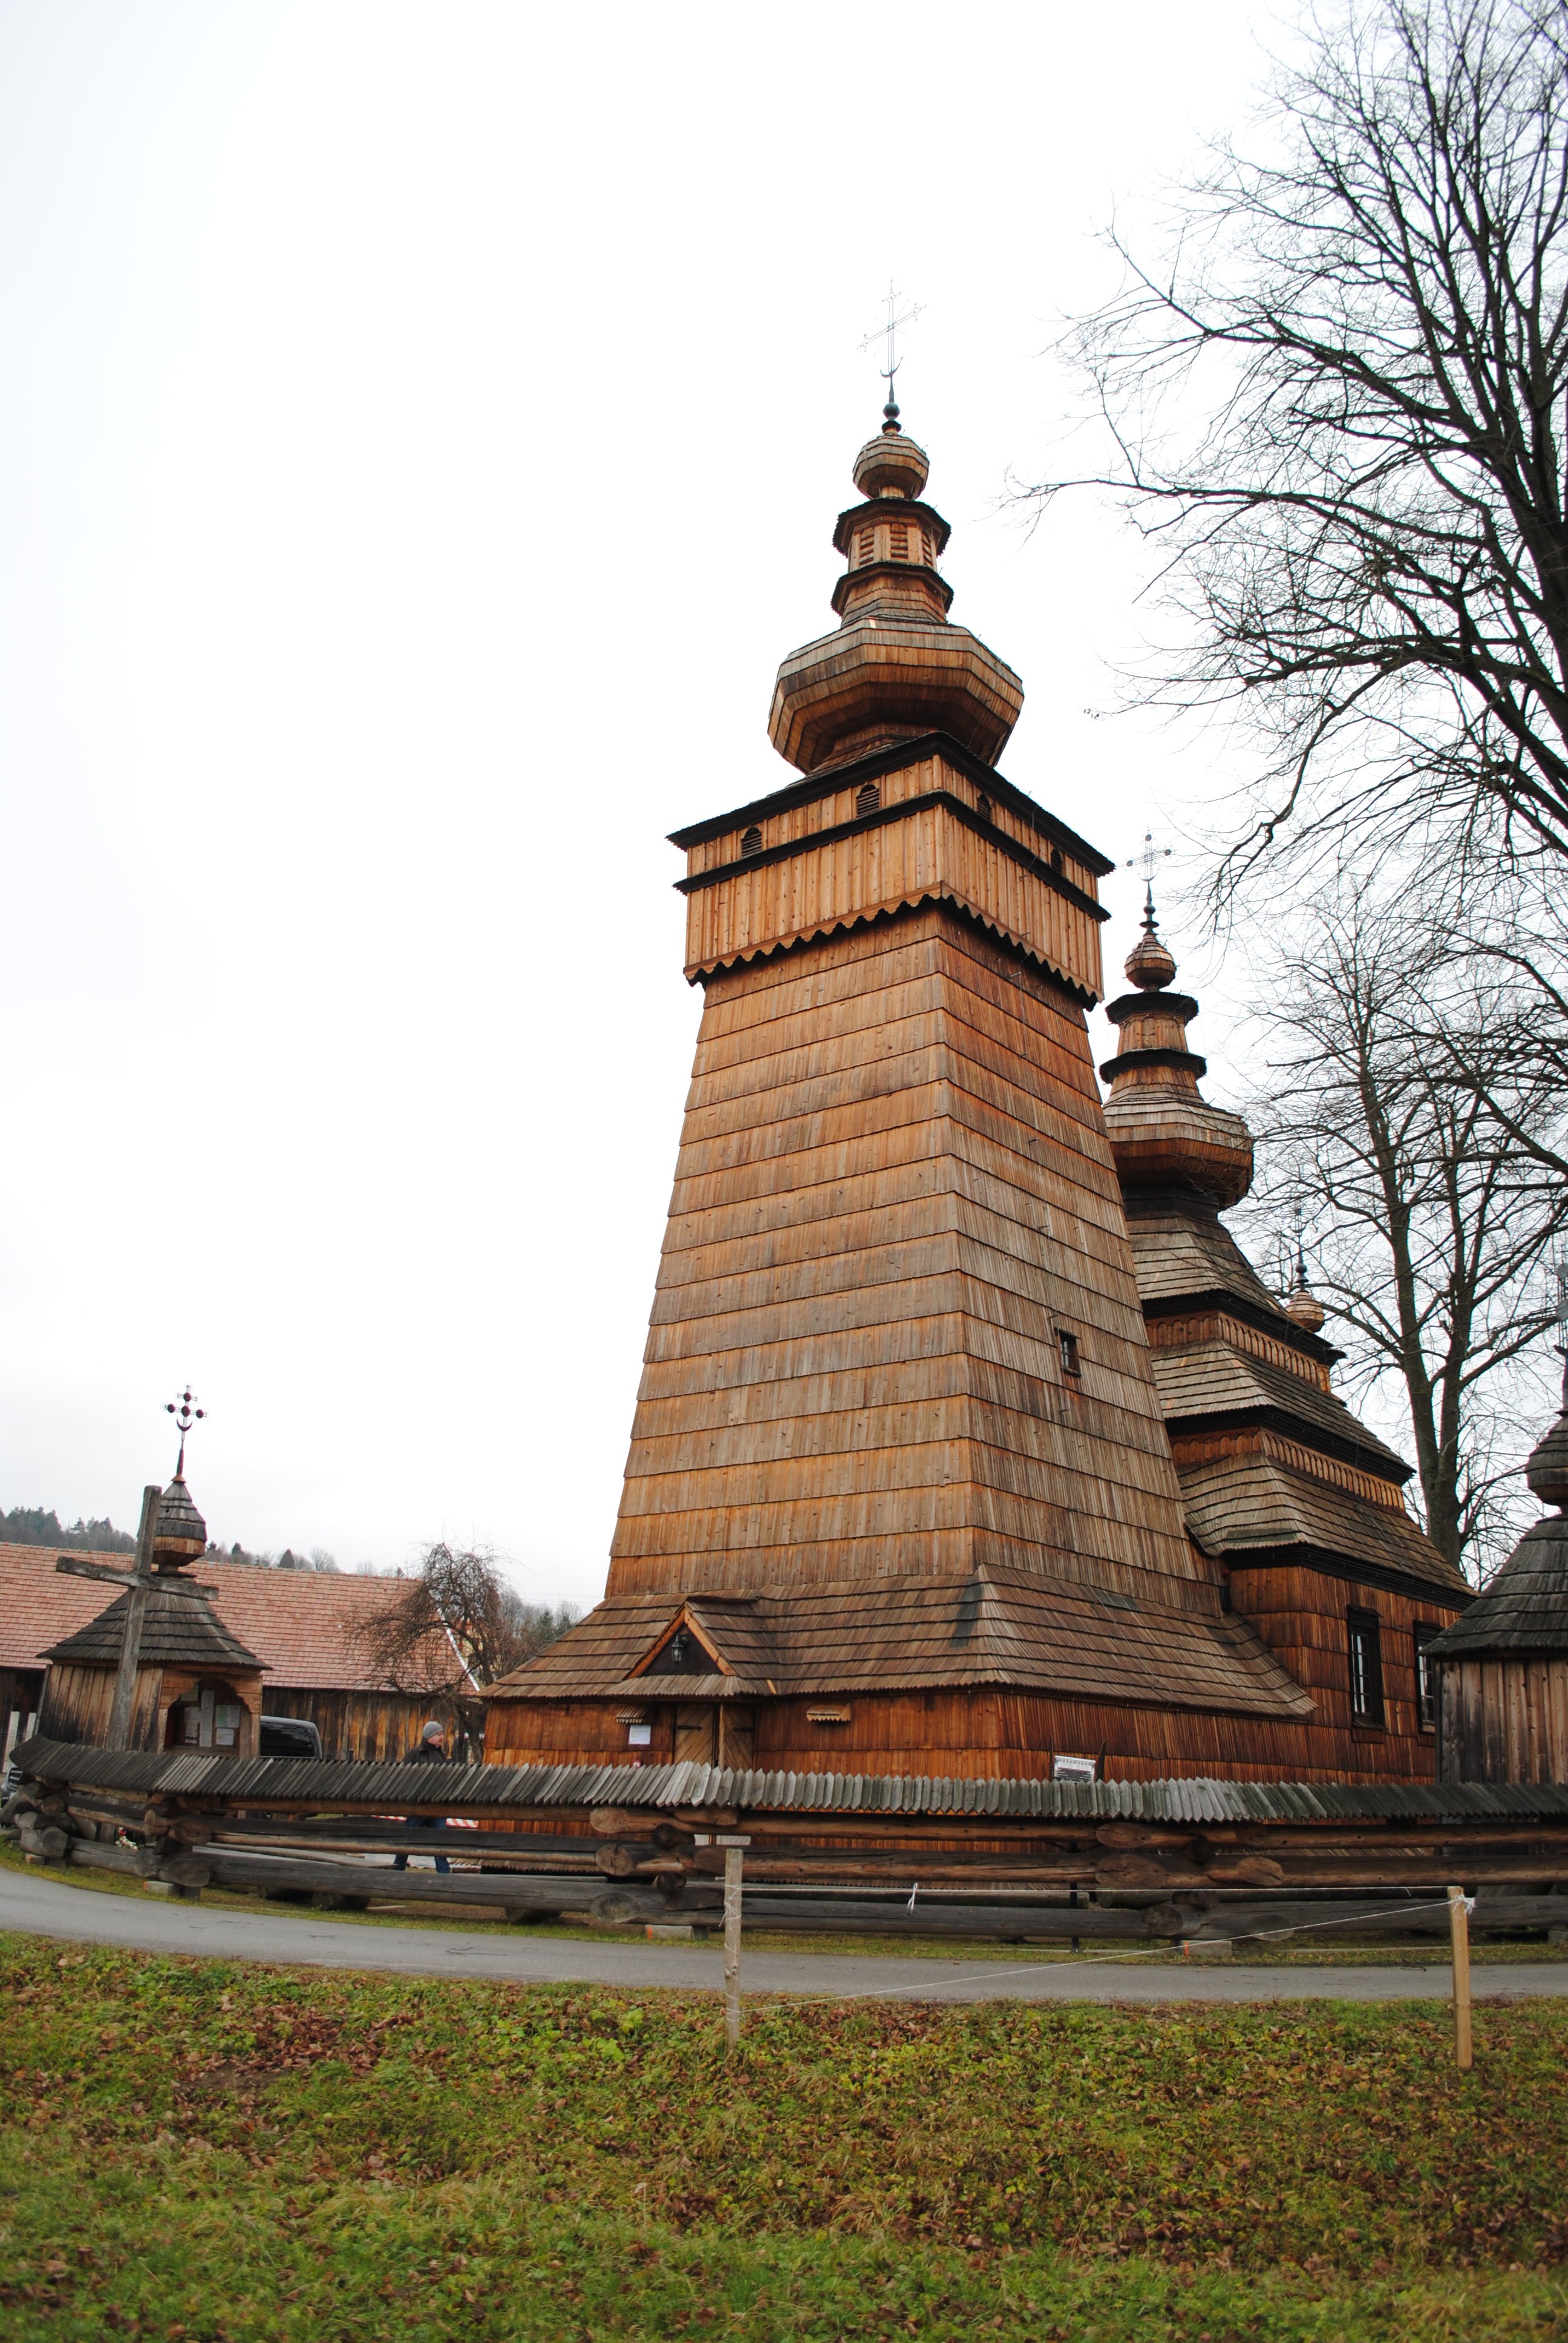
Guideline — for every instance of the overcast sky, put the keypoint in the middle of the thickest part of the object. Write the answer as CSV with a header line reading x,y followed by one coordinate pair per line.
x,y
421,431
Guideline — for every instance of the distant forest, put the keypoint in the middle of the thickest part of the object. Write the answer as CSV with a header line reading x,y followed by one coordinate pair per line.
x,y
31,1526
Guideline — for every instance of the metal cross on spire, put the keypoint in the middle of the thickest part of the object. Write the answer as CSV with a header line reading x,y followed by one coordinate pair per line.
x,y
185,1412
1149,861
888,333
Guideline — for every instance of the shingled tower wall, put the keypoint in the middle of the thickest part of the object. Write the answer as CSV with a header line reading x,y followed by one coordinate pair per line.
x,y
896,1327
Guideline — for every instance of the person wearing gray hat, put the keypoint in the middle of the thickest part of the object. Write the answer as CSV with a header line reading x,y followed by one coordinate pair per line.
x,y
430,1749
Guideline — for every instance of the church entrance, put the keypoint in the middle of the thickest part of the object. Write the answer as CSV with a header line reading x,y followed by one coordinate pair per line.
x,y
714,1733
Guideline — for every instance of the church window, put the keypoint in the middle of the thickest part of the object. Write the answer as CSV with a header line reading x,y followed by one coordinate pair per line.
x,y
1365,1667
1425,1676
985,809
751,840
1069,1361
868,797
1056,858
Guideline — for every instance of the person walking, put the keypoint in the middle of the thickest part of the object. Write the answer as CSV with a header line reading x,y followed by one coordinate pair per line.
x,y
430,1749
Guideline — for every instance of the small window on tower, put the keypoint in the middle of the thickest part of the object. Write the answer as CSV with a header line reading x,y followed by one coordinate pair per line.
x,y
1069,1365
985,809
868,546
1365,1667
751,840
928,551
899,533
868,799
1056,858
1425,1676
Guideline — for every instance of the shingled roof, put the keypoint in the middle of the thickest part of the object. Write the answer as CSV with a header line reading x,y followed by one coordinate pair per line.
x,y
1525,1606
179,1631
990,1626
1252,1504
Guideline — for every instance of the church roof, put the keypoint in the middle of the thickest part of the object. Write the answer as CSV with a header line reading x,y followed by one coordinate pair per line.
x,y
1240,1374
986,1627
1524,1608
1254,1503
1209,1380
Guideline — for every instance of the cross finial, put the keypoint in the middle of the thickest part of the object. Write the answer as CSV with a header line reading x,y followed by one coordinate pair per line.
x,y
1149,861
888,333
185,1412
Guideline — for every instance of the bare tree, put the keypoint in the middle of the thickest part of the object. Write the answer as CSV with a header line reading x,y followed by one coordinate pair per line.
x,y
454,1628
1427,1223
1338,409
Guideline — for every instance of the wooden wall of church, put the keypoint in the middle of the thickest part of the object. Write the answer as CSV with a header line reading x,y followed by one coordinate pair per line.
x,y
1504,1719
976,1734
1304,1616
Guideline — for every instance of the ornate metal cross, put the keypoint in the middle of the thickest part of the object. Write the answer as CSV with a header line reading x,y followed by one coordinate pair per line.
x,y
185,1412
888,333
1148,861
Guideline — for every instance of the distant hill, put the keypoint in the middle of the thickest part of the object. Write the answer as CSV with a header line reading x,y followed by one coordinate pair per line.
x,y
31,1526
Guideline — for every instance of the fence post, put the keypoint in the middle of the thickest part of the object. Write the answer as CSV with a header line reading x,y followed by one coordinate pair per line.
x,y
734,1864
1459,1935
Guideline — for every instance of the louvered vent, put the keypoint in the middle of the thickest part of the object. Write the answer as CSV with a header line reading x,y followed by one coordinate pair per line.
x,y
869,798
900,532
751,840
868,545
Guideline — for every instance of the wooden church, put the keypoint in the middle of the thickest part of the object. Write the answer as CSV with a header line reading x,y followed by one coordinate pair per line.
x,y
968,1442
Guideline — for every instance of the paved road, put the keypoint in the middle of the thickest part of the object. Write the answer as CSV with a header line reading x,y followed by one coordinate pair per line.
x,y
47,1908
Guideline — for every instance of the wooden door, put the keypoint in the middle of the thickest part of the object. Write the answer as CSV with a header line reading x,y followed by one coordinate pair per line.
x,y
737,1734
695,1735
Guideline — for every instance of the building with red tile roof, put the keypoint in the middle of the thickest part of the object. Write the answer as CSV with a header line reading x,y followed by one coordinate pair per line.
x,y
307,1627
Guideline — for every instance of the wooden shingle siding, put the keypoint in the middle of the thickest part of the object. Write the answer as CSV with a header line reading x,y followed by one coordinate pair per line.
x,y
923,1295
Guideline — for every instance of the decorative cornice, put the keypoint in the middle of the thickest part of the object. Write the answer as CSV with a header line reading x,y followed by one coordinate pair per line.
x,y
894,758
899,810
1300,1428
1351,1574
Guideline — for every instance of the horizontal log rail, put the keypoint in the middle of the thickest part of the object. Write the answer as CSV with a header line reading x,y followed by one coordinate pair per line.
x,y
1065,1861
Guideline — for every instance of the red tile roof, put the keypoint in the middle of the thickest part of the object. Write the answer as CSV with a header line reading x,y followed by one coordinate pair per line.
x,y
304,1624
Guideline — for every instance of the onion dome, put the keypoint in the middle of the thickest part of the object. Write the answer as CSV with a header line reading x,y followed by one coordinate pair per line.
x,y
891,465
1304,1309
180,1536
1546,1474
1163,1132
896,668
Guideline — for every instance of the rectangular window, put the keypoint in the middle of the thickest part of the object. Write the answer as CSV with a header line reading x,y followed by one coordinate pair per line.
x,y
1069,1365
639,1736
1366,1667
1074,1769
1425,1676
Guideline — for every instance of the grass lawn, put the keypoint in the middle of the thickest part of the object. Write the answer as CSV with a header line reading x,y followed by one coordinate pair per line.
x,y
204,2149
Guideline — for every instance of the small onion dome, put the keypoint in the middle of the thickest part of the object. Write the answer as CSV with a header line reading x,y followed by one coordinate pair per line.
x,y
1163,1132
1149,964
1304,1309
180,1536
891,465
1546,1474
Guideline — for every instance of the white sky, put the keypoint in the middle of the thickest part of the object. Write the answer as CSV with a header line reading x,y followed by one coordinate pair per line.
x,y
421,430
